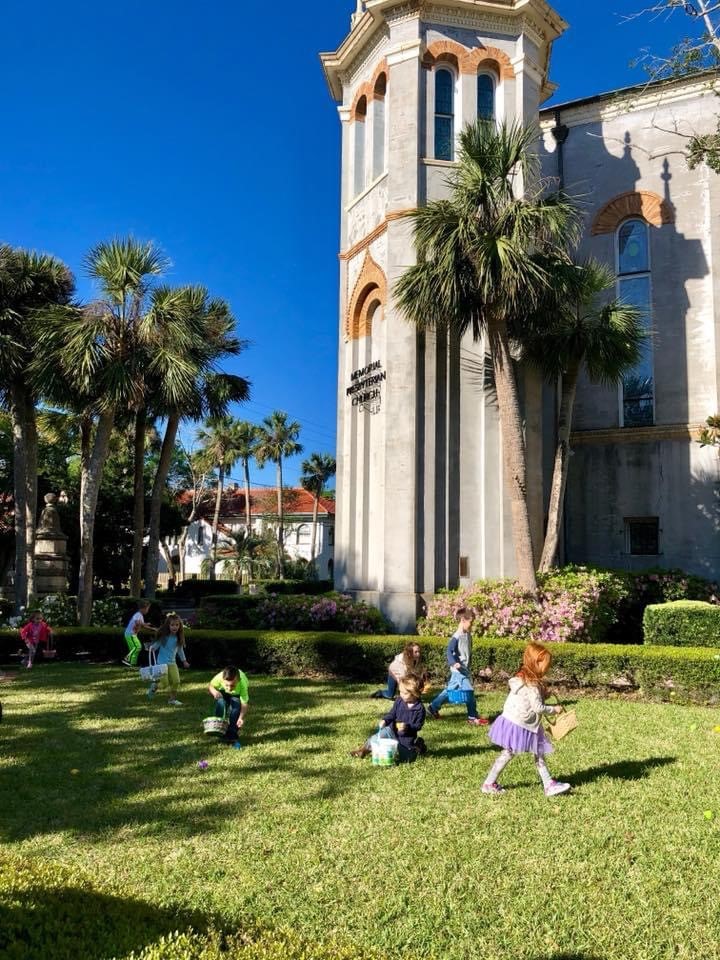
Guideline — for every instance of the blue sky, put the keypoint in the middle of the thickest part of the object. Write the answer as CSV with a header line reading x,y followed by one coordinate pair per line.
x,y
209,129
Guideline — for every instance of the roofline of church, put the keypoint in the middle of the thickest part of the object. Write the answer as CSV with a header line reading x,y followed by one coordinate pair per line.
x,y
610,95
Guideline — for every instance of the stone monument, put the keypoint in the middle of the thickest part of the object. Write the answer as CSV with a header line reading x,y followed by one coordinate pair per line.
x,y
51,563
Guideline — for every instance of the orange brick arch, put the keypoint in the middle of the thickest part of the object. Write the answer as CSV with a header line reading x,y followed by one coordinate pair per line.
x,y
635,203
444,50
488,56
370,288
367,89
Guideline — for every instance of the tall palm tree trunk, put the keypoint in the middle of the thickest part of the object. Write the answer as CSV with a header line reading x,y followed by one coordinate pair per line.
x,y
17,414
216,521
561,467
246,473
92,472
281,531
313,535
31,494
152,560
513,451
138,502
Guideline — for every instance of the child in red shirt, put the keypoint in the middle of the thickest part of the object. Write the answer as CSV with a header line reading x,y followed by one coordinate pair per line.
x,y
35,632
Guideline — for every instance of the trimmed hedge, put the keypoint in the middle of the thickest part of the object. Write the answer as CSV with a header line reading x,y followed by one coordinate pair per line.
x,y
691,673
63,913
310,588
682,623
196,589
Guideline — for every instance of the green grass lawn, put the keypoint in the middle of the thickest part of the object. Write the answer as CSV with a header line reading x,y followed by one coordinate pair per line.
x,y
413,860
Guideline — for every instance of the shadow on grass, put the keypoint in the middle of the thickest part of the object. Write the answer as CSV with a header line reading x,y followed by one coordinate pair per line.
x,y
622,770
93,749
459,750
567,956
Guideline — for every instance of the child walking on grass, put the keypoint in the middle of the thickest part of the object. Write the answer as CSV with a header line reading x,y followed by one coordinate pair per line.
x,y
459,658
519,728
402,723
35,632
169,648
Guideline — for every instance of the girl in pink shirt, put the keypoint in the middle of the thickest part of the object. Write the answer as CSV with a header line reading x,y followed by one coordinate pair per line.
x,y
35,632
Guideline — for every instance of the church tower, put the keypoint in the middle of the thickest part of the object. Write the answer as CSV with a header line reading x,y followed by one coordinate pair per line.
x,y
420,502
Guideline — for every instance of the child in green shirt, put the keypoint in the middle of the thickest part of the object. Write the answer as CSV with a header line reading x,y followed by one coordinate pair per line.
x,y
229,689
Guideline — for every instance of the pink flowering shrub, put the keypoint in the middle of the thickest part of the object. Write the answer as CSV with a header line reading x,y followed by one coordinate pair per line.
x,y
575,603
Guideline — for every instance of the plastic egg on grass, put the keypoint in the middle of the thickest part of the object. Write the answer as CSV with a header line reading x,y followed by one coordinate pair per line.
x,y
708,814
74,771
716,729
203,764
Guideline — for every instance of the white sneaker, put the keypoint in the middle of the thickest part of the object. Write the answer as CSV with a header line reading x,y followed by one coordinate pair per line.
x,y
178,703
555,787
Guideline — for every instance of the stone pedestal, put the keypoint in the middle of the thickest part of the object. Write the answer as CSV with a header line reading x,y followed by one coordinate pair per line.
x,y
51,563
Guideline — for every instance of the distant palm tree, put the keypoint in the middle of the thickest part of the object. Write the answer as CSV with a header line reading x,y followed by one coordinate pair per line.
x,y
480,268
248,435
221,442
278,439
30,284
206,392
573,330
316,471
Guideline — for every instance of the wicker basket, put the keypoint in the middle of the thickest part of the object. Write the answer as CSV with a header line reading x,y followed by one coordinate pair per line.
x,y
215,726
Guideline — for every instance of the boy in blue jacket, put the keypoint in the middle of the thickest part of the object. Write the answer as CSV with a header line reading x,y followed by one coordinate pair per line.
x,y
459,658
403,722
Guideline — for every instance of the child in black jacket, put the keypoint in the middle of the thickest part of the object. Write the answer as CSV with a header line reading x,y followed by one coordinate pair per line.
x,y
402,723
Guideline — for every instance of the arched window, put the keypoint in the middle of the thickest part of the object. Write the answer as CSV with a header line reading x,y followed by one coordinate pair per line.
x,y
303,534
485,97
444,114
379,125
359,129
634,287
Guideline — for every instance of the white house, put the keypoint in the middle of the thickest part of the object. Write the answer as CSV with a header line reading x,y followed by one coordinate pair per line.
x,y
297,522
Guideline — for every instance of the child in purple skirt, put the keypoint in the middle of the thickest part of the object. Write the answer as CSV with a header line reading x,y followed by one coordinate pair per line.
x,y
518,729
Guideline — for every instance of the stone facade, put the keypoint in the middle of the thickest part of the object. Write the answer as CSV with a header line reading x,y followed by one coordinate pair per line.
x,y
421,502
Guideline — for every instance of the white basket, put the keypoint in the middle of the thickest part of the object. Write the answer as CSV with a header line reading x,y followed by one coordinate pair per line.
x,y
155,671
384,752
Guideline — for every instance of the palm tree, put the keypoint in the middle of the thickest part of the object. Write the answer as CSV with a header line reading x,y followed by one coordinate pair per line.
x,y
100,354
248,434
481,265
205,392
278,439
221,442
30,285
574,329
316,471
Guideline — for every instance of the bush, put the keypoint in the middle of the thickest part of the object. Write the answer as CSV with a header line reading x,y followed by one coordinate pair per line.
x,y
195,589
655,586
682,623
51,910
575,603
689,673
329,612
308,587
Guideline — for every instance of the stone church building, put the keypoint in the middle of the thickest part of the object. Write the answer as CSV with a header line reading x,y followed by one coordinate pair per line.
x,y
420,494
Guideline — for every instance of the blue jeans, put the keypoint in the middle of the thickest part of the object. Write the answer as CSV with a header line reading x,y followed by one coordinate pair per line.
x,y
442,698
390,692
229,707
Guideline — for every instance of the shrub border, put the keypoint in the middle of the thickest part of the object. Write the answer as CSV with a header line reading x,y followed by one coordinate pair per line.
x,y
687,672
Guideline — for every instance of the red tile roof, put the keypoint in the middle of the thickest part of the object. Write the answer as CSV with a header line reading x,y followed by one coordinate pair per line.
x,y
263,501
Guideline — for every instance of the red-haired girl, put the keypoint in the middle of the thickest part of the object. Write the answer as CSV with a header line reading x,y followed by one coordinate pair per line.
x,y
518,729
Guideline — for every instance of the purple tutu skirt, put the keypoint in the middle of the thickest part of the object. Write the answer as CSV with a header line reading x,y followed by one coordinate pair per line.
x,y
505,733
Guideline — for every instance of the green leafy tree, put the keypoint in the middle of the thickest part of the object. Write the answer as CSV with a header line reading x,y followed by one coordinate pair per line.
x,y
573,330
277,440
483,260
316,471
710,436
31,285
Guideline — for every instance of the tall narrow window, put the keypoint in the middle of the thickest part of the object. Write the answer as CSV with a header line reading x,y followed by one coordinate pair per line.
x,y
633,272
485,97
359,129
379,126
444,115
